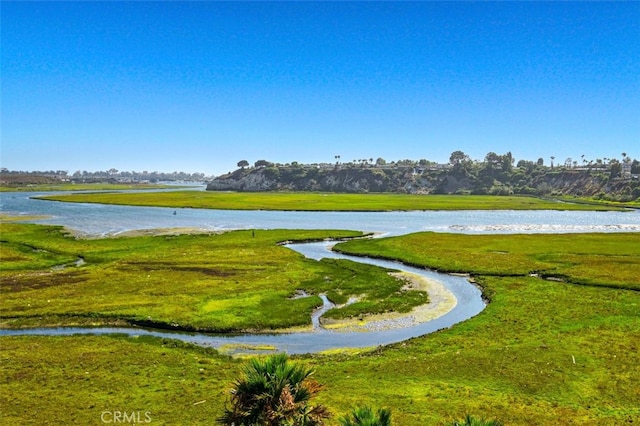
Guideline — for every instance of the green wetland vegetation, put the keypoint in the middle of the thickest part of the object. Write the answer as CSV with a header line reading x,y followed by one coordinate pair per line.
x,y
312,201
545,351
635,204
209,282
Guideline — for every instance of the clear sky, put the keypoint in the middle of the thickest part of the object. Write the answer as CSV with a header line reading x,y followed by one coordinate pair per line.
x,y
198,86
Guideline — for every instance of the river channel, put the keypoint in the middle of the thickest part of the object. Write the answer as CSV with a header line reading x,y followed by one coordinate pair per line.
x,y
105,220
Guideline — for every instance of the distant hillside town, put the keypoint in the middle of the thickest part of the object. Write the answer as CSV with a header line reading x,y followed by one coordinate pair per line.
x,y
606,178
11,177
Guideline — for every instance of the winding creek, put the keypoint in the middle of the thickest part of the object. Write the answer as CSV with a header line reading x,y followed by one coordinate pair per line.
x,y
102,220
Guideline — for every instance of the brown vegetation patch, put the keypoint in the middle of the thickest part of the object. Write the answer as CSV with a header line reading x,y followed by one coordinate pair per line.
x,y
36,280
164,266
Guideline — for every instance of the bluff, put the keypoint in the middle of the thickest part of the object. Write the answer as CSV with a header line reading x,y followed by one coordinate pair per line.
x,y
283,178
425,180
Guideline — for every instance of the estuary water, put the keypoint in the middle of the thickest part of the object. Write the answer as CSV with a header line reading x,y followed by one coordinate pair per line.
x,y
103,220
100,219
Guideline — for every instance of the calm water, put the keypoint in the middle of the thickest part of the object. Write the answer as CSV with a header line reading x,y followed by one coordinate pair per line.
x,y
96,219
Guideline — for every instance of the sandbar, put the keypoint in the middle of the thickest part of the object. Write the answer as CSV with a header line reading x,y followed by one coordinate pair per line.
x,y
441,301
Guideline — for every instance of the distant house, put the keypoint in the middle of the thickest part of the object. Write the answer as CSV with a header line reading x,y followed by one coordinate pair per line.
x,y
625,173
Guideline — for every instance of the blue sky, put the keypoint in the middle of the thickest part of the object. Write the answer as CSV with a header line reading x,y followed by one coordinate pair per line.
x,y
198,86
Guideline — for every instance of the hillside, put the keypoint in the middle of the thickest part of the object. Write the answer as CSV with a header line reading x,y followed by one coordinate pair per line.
x,y
473,178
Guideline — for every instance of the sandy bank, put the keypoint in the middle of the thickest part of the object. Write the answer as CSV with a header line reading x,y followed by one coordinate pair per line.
x,y
144,232
441,301
165,232
11,217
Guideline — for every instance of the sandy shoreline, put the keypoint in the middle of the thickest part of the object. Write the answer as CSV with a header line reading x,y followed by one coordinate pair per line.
x,y
441,301
165,232
150,232
11,217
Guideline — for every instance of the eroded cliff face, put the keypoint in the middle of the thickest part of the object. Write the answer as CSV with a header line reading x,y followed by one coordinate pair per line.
x,y
372,179
251,180
573,183
299,179
584,183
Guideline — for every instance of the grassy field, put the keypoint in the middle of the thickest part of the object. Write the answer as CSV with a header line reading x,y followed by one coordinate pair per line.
x,y
309,201
592,200
542,352
611,260
220,282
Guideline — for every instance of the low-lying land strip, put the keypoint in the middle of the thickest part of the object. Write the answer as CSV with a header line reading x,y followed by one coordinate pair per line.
x,y
311,201
542,352
20,217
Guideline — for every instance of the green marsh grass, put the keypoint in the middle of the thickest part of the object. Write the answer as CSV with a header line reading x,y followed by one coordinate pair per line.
x,y
542,352
597,259
633,204
311,201
75,380
220,282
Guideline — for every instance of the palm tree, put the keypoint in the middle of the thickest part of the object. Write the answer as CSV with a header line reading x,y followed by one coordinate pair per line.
x,y
274,392
364,416
472,421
